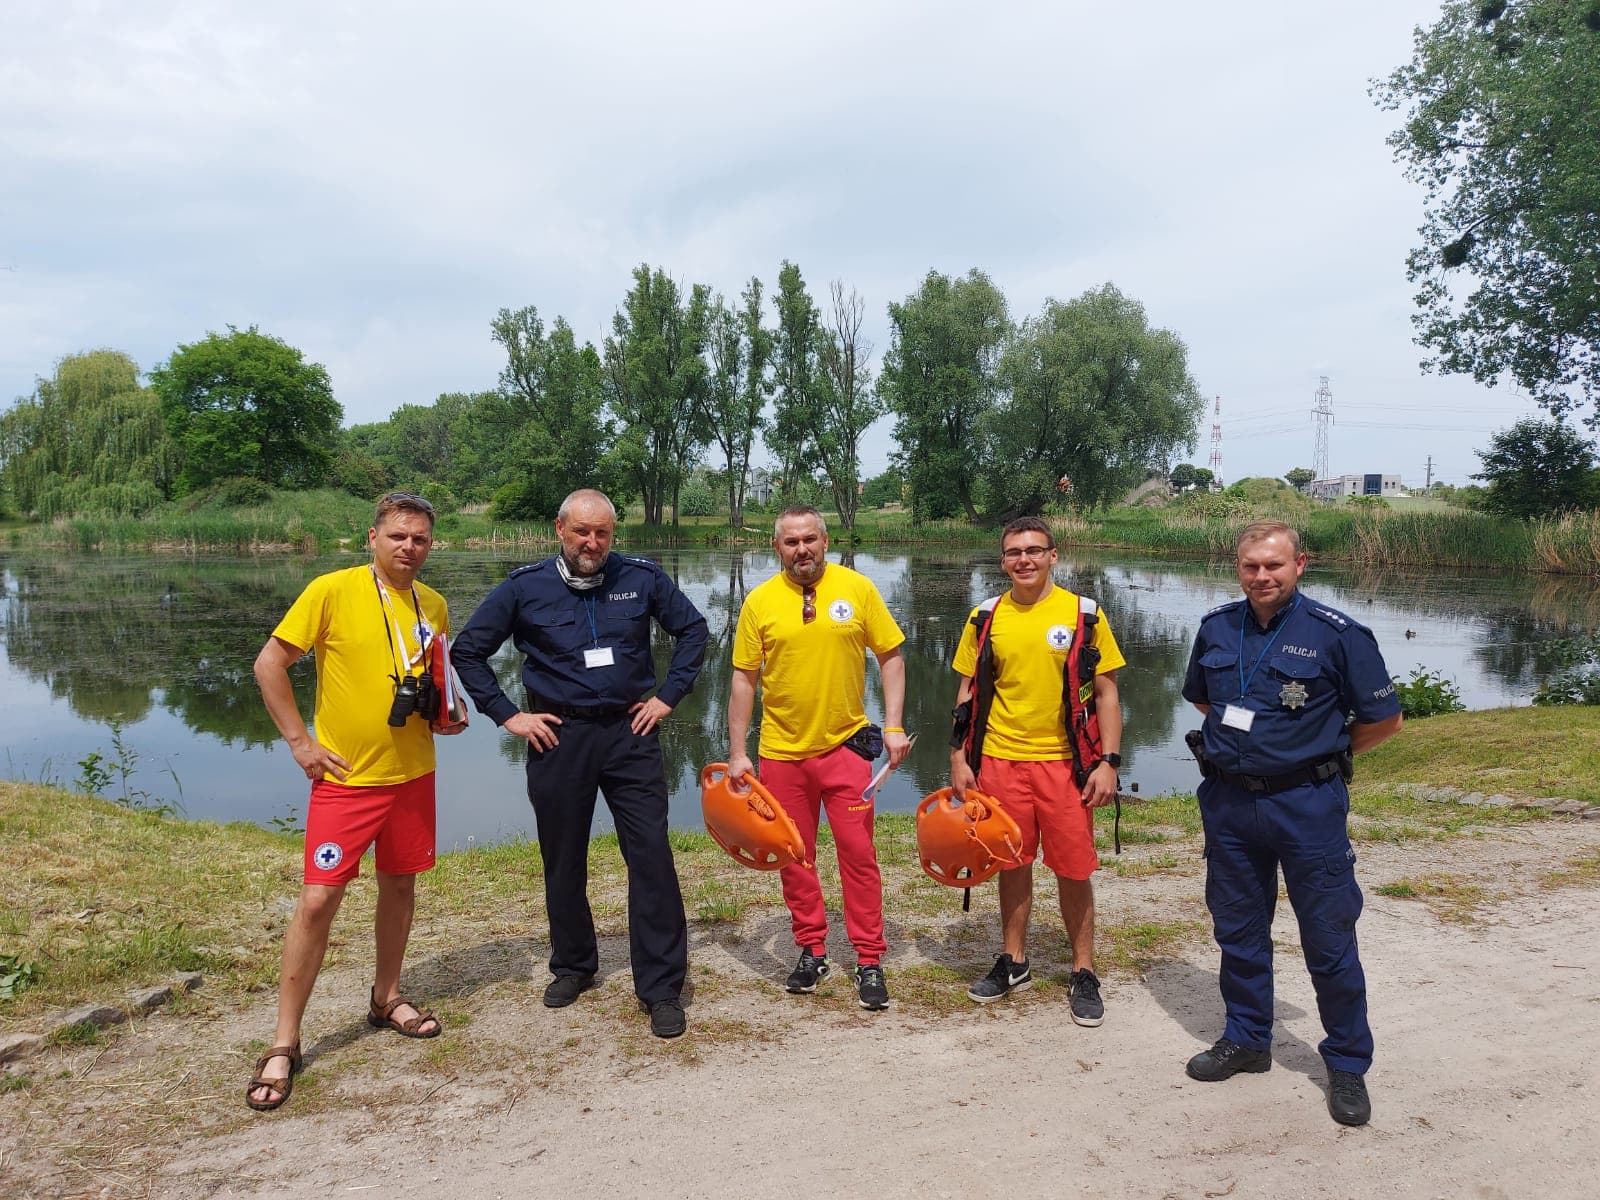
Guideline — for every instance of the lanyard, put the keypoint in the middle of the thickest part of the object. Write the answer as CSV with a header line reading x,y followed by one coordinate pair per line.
x,y
589,605
391,627
1244,615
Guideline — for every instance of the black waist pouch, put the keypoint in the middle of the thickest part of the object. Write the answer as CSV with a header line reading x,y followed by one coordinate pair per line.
x,y
866,741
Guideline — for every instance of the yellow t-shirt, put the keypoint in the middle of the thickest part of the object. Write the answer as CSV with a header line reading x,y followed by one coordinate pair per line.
x,y
1027,722
343,617
812,676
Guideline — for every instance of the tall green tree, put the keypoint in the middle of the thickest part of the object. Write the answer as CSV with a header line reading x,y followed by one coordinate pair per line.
x,y
939,380
1501,101
89,440
738,386
795,382
1094,398
845,403
247,404
1538,468
655,372
559,434
1299,477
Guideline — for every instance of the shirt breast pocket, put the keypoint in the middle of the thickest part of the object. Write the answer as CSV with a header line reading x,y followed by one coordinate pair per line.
x,y
1297,681
1220,666
555,629
623,616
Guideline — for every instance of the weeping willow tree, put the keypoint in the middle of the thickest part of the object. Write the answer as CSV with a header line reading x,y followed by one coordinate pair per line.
x,y
89,441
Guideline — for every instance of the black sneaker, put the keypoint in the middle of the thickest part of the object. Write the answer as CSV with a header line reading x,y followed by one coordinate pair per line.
x,y
871,990
564,989
807,973
1087,1007
666,1018
1227,1059
1006,977
1348,1102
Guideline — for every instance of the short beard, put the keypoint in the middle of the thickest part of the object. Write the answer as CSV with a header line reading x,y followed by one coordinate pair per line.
x,y
815,569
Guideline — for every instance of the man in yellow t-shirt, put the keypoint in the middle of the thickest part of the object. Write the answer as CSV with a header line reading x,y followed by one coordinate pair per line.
x,y
370,764
1027,758
802,639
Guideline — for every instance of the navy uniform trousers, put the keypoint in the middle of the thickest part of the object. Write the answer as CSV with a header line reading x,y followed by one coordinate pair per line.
x,y
606,754
1249,835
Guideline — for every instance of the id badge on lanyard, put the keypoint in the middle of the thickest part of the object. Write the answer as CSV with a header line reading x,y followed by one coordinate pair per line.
x,y
1237,716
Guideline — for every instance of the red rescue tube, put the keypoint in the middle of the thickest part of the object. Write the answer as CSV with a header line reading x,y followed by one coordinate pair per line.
x,y
965,843
750,825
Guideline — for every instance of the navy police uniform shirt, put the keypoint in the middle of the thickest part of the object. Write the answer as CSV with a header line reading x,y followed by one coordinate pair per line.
x,y
583,650
1301,676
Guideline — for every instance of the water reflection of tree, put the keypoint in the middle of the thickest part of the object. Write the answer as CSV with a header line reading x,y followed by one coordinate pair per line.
x,y
113,638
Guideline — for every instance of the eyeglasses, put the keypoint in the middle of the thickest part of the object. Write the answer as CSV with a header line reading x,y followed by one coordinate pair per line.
x,y
408,498
808,605
1013,553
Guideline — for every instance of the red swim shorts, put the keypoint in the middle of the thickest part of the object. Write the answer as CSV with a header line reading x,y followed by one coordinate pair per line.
x,y
343,821
1043,800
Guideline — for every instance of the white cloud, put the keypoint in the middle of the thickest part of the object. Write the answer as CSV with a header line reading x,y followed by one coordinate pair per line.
x,y
373,181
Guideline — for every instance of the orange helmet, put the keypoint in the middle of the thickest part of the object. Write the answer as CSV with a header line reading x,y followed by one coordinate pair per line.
x,y
749,825
962,843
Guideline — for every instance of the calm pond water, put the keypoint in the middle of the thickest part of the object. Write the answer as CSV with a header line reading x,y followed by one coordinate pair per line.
x,y
163,647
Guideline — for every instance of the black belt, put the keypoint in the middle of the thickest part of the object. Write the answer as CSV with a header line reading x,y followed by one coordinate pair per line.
x,y
1316,773
595,712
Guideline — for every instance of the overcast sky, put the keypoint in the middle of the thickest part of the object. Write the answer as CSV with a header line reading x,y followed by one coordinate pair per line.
x,y
371,182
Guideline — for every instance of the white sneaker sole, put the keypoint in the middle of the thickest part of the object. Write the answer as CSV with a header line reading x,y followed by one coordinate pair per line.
x,y
1010,991
806,991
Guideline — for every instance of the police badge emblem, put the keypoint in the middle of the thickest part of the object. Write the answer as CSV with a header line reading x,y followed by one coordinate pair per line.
x,y
1293,695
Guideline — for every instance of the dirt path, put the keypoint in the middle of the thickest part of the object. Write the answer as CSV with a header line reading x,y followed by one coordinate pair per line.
x,y
1487,1081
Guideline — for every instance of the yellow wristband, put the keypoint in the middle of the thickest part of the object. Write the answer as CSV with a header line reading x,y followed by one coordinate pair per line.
x,y
894,729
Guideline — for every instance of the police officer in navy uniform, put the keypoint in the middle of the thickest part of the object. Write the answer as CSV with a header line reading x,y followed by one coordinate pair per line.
x,y
1290,689
582,619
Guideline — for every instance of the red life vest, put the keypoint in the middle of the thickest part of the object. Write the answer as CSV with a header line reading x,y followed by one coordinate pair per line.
x,y
1077,690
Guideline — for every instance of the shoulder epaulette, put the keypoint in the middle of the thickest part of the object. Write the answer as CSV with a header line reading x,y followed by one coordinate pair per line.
x,y
523,570
1331,615
1222,608
649,563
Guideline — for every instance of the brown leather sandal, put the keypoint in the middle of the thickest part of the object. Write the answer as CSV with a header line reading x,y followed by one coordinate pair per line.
x,y
381,1016
278,1086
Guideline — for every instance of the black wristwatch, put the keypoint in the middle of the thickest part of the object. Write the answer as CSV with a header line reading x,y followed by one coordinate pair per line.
x,y
1114,759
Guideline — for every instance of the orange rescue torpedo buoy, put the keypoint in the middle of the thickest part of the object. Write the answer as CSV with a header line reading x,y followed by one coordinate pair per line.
x,y
750,825
963,843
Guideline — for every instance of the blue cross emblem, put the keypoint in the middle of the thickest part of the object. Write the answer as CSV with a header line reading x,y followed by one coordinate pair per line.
x,y
1059,636
328,855
840,610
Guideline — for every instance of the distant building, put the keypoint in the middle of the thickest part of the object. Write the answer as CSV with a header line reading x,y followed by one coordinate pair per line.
x,y
1355,485
760,487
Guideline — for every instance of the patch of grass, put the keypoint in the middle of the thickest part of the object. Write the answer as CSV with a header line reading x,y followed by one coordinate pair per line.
x,y
1488,751
14,1082
107,899
931,989
1155,864
719,911
82,1033
1156,818
1380,815
1448,897
1582,870
1129,947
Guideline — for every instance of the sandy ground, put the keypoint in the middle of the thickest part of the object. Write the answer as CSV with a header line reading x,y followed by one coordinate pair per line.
x,y
1486,1084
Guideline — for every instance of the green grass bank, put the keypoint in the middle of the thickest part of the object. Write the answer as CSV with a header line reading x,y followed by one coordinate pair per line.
x,y
1416,537
102,899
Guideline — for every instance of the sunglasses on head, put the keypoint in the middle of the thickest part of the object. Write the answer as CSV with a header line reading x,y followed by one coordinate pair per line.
x,y
410,498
